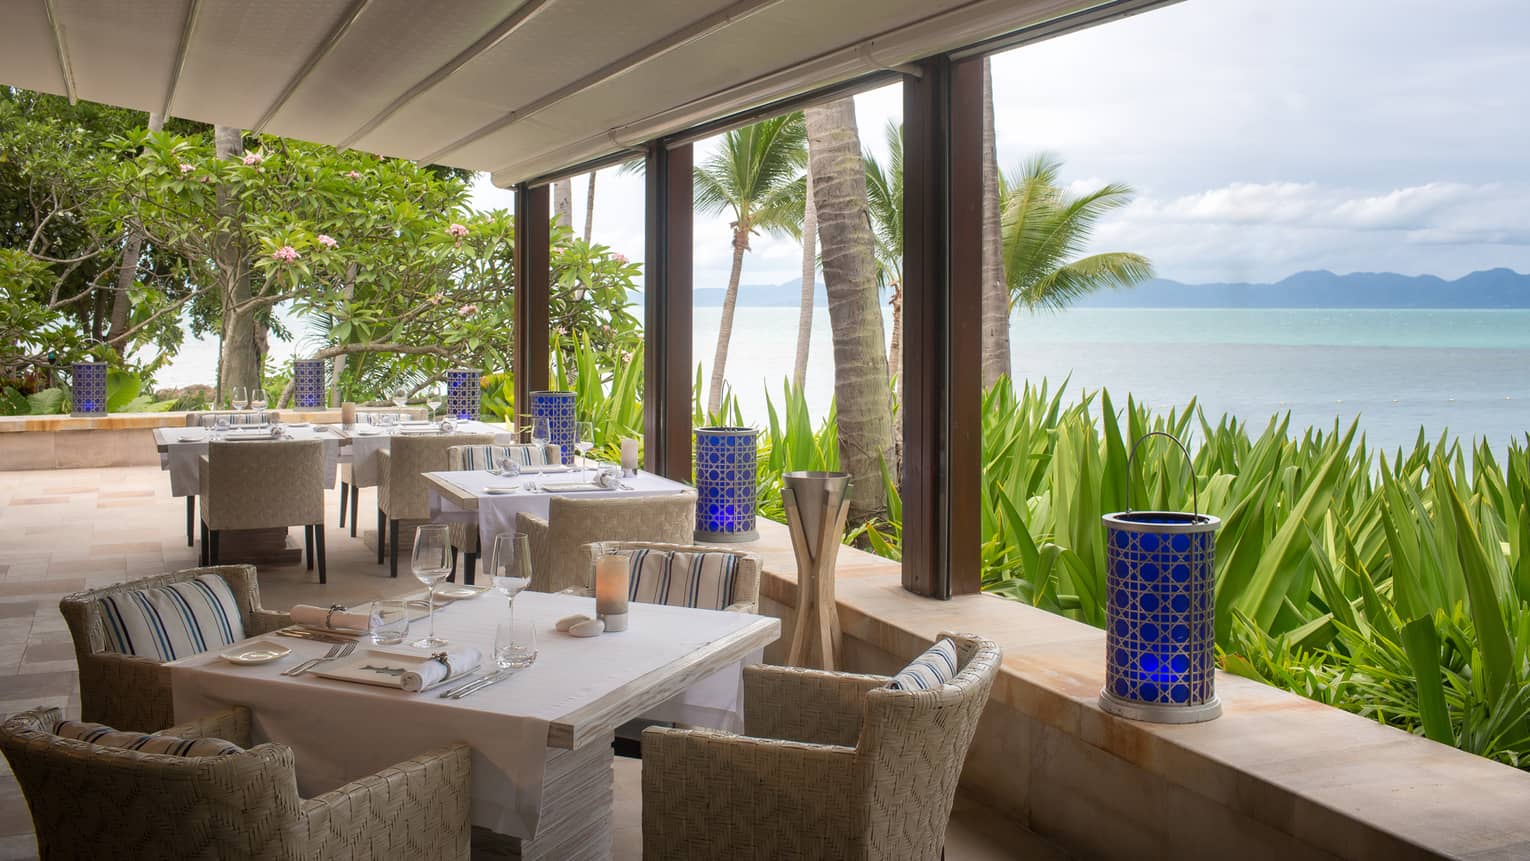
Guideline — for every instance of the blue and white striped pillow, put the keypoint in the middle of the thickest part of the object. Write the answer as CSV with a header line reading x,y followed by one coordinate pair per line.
x,y
173,621
485,456
105,736
936,667
682,579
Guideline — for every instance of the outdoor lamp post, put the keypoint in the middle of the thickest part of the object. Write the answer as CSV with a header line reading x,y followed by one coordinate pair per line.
x,y
1159,634
558,409
308,384
725,484
462,397
88,389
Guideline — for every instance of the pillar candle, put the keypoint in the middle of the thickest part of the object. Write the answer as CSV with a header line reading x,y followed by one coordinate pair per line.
x,y
348,413
629,456
612,574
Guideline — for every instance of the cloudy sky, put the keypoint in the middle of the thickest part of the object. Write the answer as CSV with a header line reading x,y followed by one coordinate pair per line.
x,y
1262,138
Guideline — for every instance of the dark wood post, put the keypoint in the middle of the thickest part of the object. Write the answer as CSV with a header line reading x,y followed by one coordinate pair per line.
x,y
667,313
942,353
533,250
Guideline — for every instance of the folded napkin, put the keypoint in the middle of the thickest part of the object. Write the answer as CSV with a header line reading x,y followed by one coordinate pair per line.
x,y
570,487
438,668
324,617
544,468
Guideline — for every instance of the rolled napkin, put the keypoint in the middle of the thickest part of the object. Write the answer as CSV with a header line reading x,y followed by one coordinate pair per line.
x,y
336,617
278,431
609,480
448,426
440,667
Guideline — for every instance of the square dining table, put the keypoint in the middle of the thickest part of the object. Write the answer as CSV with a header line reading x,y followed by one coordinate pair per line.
x,y
365,441
541,739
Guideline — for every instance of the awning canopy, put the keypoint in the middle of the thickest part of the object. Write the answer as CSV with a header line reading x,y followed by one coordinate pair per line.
x,y
522,90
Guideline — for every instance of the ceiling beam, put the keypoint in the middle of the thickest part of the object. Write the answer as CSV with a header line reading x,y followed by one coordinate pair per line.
x,y
1110,10
698,29
501,31
336,33
59,45
188,26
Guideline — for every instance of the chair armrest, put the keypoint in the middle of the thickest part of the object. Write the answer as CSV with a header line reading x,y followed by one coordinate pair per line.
x,y
535,529
232,725
708,794
415,809
742,607
204,484
265,621
805,705
126,692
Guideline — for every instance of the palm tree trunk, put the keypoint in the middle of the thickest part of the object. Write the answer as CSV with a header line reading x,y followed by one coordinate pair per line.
x,y
563,202
589,209
238,362
996,356
725,326
895,345
127,270
809,279
855,316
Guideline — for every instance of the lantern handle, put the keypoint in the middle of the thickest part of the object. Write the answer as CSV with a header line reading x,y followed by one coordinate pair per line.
x,y
1195,494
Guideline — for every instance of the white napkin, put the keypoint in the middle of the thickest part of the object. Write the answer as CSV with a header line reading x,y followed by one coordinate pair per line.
x,y
448,426
321,617
431,672
542,469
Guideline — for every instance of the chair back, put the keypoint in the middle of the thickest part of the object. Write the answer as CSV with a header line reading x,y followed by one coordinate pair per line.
x,y
404,494
262,484
743,571
89,801
573,522
236,418
485,456
911,749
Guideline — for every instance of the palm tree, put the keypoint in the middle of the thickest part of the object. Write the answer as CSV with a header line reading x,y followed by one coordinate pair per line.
x,y
884,199
809,272
1045,228
995,325
756,176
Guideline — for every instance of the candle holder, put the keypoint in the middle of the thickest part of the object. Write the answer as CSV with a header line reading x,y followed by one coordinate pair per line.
x,y
613,580
462,393
817,504
558,409
88,389
1159,632
725,484
629,457
308,384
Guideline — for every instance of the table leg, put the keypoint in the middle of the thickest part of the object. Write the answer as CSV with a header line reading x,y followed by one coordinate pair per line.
x,y
577,798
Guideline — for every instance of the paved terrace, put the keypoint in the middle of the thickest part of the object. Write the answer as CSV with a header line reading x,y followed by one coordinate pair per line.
x,y
65,530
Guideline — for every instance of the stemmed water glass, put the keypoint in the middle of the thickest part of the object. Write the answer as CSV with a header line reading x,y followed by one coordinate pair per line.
x,y
433,400
258,401
510,571
239,397
584,441
431,563
400,397
540,432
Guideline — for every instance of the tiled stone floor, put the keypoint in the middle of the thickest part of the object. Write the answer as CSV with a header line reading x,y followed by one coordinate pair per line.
x,y
66,530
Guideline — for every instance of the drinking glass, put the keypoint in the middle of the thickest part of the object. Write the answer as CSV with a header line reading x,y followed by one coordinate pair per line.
x,y
433,400
400,397
239,397
515,642
258,399
431,563
509,564
220,426
389,623
540,432
508,467
584,440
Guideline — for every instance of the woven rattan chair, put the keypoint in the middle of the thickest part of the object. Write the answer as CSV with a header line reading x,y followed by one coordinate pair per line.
x,y
465,535
89,801
402,492
130,692
558,560
746,587
235,418
263,484
832,765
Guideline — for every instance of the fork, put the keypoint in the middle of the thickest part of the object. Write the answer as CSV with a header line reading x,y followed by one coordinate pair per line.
x,y
339,650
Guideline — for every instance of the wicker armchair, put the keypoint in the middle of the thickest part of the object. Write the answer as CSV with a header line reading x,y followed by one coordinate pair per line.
x,y
833,766
746,588
402,492
557,560
89,801
236,418
261,485
465,535
130,692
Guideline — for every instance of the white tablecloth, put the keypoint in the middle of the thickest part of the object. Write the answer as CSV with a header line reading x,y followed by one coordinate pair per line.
x,y
364,448
341,731
187,445
497,513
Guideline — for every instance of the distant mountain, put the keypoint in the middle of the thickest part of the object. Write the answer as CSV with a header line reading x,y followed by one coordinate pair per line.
x,y
1491,288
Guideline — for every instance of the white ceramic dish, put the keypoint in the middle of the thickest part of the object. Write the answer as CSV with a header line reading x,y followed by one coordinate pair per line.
x,y
190,437
367,430
256,652
459,593
502,490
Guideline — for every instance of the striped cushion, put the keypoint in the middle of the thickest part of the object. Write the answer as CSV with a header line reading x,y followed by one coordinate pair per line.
x,y
936,667
682,579
105,736
254,417
170,622
485,456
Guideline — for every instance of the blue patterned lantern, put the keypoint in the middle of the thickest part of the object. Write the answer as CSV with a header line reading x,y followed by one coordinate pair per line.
x,y
1159,633
725,484
462,398
89,389
308,384
558,409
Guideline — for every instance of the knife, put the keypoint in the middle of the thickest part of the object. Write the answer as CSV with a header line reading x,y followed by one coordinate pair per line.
x,y
474,687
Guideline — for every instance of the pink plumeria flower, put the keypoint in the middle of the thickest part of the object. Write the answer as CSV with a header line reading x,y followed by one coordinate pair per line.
x,y
468,310
286,254
252,159
353,175
434,300
457,230
187,168
327,241
621,258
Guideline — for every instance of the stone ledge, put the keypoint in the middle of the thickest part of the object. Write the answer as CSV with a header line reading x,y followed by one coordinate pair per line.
x,y
1335,782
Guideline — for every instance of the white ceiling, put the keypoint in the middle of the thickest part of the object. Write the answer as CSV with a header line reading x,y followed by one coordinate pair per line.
x,y
521,89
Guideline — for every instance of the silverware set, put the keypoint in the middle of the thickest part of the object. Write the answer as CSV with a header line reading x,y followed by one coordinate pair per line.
x,y
300,633
336,652
476,685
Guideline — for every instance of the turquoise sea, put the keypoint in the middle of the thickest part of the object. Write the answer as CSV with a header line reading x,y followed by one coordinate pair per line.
x,y
1397,370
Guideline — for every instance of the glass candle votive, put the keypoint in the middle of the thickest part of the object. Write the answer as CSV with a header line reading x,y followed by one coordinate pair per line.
x,y
612,577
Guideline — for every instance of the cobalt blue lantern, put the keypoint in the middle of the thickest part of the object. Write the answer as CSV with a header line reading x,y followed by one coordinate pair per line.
x,y
89,389
725,484
308,384
1159,635
558,409
462,397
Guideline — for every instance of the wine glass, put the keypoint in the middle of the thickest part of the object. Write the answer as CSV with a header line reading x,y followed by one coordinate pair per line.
x,y
239,397
400,397
258,401
431,564
510,564
540,432
584,440
433,400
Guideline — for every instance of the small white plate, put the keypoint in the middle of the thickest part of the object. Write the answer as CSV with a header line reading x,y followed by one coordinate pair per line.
x,y
258,652
367,430
190,437
297,424
502,490
459,593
